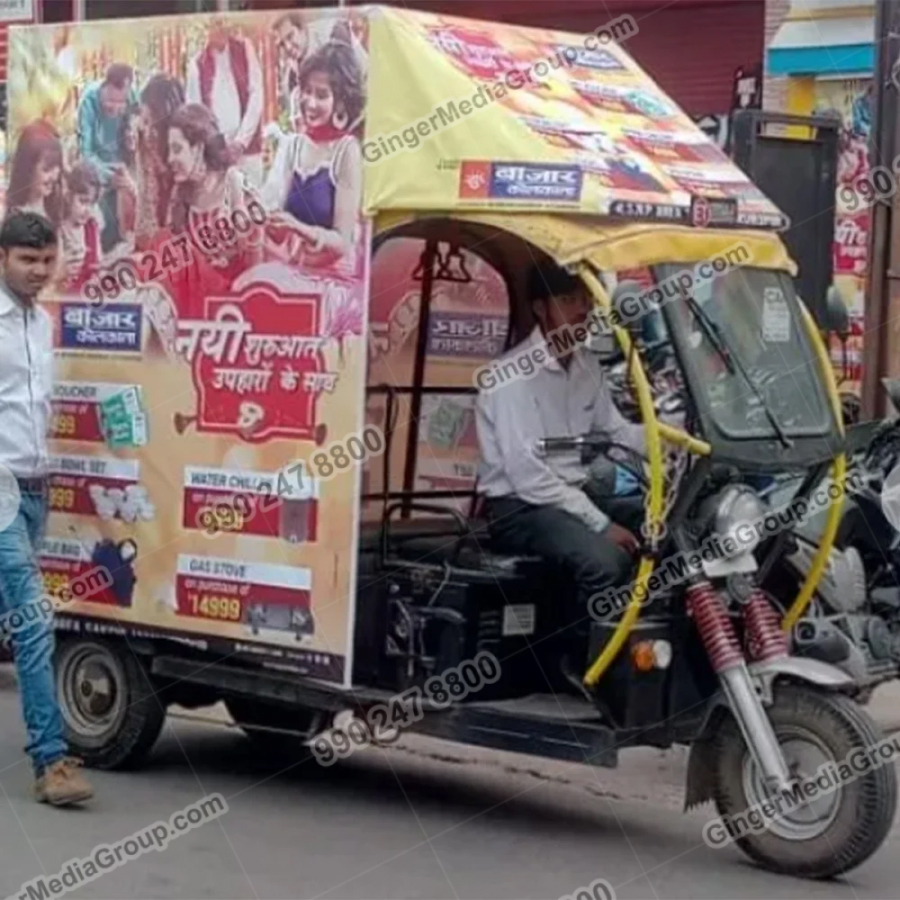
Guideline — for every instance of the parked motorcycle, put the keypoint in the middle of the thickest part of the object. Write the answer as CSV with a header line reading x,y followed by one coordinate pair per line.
x,y
854,621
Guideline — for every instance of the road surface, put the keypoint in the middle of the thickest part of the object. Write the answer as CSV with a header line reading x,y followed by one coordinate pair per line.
x,y
424,820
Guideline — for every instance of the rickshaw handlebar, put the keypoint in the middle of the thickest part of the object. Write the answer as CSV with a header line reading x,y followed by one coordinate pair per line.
x,y
548,446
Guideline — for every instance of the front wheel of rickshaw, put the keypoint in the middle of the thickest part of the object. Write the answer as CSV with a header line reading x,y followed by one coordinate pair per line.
x,y
826,830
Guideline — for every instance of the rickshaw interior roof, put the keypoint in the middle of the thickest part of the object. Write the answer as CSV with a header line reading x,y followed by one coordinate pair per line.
x,y
508,241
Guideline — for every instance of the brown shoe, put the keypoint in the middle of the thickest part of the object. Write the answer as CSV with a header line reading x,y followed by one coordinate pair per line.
x,y
62,784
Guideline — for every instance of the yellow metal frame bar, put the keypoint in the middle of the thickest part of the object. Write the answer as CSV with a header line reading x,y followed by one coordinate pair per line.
x,y
838,473
684,440
655,433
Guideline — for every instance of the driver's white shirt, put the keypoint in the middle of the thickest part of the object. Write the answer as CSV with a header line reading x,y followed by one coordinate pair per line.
x,y
552,402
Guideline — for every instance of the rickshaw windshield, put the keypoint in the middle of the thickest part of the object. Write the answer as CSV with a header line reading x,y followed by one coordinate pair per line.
x,y
750,352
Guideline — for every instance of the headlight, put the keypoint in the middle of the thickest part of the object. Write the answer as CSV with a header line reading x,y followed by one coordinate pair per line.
x,y
736,511
843,583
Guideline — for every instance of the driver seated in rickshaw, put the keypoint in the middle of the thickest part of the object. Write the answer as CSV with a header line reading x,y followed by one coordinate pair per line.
x,y
541,506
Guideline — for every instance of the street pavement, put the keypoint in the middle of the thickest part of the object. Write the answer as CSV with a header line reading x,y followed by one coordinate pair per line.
x,y
426,820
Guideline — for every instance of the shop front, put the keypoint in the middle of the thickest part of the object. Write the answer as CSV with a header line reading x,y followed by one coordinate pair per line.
x,y
825,51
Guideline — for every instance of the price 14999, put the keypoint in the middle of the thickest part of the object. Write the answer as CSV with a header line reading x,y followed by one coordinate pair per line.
x,y
208,606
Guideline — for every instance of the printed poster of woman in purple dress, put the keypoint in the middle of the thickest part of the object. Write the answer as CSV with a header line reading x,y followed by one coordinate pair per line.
x,y
314,186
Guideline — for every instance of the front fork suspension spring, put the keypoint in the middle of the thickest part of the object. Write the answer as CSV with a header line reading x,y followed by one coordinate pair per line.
x,y
765,638
715,627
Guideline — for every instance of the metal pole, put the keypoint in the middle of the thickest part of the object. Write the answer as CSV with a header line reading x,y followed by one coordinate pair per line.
x,y
882,301
428,258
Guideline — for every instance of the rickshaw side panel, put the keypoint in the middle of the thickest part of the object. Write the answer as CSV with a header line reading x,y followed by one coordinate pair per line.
x,y
202,376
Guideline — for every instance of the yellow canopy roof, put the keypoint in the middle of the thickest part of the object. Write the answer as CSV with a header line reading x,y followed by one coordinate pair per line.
x,y
472,116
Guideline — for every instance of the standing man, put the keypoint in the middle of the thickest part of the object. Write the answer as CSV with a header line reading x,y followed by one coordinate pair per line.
x,y
28,253
225,76
99,123
542,506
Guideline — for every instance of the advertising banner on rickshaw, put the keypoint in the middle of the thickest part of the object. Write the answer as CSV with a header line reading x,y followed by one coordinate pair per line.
x,y
205,177
479,115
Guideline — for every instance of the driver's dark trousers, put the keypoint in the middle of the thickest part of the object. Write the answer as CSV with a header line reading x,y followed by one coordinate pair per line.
x,y
593,560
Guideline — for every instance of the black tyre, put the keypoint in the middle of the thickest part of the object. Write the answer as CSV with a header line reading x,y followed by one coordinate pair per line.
x,y
111,712
832,832
255,718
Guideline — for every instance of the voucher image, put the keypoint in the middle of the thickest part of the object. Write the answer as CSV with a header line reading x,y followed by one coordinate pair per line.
x,y
209,317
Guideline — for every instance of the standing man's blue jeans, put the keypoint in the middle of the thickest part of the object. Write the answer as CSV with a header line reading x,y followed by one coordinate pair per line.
x,y
20,586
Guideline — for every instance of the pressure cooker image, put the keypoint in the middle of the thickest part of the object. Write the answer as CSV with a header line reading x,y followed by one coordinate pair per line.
x,y
118,560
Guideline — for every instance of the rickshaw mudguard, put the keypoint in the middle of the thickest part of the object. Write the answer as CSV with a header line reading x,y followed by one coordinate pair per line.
x,y
700,776
812,671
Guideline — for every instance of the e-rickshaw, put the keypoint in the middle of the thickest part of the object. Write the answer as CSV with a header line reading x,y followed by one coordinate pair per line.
x,y
702,659
693,649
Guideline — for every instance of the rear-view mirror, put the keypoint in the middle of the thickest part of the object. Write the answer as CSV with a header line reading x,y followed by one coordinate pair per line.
x,y
837,318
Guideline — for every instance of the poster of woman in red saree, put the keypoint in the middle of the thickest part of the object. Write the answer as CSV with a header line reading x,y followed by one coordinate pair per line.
x,y
215,223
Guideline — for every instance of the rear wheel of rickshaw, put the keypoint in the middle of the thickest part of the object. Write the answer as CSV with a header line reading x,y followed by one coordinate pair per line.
x,y
259,721
111,711
827,830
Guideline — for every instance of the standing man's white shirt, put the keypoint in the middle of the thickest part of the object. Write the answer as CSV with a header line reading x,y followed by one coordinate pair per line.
x,y
226,104
552,402
26,384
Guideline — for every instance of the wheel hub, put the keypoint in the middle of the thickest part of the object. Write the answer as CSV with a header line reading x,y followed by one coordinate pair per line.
x,y
804,821
93,692
96,689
